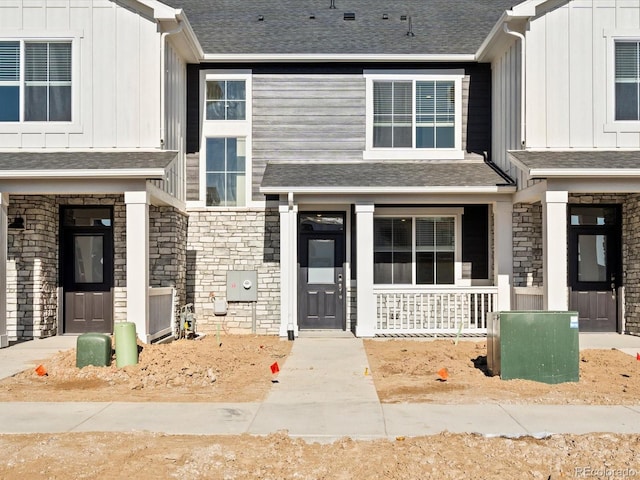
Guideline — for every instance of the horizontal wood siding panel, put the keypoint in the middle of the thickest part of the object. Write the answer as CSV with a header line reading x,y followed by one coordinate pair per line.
x,y
193,174
306,118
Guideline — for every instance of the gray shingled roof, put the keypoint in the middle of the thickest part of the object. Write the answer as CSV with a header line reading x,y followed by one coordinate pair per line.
x,y
440,26
17,161
284,177
595,159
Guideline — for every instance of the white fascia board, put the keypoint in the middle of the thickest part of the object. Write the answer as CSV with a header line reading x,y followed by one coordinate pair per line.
x,y
151,173
518,163
496,36
584,172
387,190
334,57
191,38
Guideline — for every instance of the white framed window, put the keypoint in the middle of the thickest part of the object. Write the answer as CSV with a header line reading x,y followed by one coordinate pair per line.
x,y
225,171
417,249
225,149
627,80
414,114
36,81
622,81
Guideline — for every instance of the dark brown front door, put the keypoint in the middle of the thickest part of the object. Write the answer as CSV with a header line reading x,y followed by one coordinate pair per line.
x,y
87,269
321,275
594,266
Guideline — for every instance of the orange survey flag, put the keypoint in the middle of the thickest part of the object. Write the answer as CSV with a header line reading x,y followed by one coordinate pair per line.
x,y
275,368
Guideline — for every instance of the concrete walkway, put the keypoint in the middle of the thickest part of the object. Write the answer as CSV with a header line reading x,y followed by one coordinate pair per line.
x,y
323,394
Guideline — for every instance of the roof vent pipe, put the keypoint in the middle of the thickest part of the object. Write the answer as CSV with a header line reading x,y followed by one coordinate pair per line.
x,y
333,5
410,32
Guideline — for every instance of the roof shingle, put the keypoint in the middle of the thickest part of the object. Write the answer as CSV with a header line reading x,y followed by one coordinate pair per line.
x,y
441,27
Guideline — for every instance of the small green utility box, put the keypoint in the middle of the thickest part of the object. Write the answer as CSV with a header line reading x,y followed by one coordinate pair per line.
x,y
93,349
534,345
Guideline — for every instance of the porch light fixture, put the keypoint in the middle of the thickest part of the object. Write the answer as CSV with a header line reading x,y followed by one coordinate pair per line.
x,y
18,223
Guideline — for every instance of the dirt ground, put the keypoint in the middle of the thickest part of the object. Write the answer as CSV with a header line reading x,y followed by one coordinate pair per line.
x,y
234,368
406,371
145,456
238,370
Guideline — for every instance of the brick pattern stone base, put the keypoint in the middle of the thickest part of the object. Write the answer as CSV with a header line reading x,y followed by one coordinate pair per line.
x,y
220,241
527,245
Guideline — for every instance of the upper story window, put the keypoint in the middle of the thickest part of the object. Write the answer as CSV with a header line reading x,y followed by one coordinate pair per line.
x,y
627,58
35,81
414,115
225,147
226,100
416,250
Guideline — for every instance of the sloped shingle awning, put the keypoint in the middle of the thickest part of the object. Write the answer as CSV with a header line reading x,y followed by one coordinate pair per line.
x,y
85,164
383,178
574,164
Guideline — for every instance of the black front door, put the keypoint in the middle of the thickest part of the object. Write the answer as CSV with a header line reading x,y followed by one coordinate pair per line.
x,y
321,279
86,264
594,266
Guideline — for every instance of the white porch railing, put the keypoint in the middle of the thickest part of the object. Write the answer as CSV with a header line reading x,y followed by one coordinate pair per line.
x,y
528,298
161,312
443,310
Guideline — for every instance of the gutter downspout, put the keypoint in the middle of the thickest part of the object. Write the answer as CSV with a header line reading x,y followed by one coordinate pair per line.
x,y
523,82
163,74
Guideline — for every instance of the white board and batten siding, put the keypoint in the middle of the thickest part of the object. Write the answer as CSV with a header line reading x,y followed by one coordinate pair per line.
x,y
506,119
306,117
570,78
116,68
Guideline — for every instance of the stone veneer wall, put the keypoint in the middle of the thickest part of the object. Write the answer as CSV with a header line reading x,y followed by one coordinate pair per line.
x,y
631,263
168,251
223,240
32,268
527,245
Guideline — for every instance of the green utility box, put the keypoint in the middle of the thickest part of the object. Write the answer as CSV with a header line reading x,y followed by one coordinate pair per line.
x,y
534,345
93,349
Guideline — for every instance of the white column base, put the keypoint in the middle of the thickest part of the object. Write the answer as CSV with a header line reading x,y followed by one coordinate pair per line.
x,y
137,204
366,305
4,341
503,252
288,269
554,248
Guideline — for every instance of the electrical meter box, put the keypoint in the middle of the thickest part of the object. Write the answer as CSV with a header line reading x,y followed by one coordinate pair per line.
x,y
242,286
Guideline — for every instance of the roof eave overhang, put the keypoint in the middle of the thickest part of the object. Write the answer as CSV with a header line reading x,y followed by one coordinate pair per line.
x,y
461,190
331,57
125,173
583,172
497,38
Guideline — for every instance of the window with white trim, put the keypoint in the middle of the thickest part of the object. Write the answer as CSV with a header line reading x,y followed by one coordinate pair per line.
x,y
225,163
414,115
415,250
225,152
226,100
627,80
35,81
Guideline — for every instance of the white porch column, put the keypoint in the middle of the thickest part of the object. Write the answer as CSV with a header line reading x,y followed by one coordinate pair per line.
x,y
4,203
366,305
554,250
288,269
137,204
503,252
